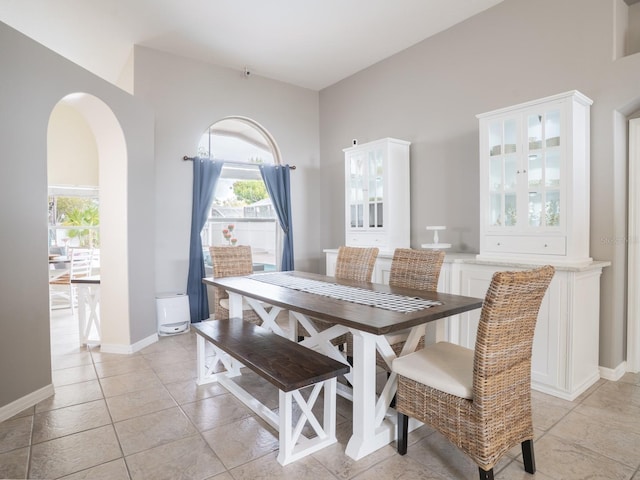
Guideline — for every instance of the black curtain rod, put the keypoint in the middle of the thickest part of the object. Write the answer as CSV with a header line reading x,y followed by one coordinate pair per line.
x,y
185,158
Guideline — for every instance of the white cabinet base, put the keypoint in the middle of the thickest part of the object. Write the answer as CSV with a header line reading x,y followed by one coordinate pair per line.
x,y
566,343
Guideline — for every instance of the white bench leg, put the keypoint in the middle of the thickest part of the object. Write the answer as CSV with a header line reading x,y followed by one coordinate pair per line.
x,y
206,373
293,445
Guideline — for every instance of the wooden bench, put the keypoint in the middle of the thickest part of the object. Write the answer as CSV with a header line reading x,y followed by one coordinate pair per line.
x,y
287,365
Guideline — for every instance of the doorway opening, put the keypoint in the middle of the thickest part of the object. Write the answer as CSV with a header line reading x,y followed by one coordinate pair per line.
x,y
633,252
87,161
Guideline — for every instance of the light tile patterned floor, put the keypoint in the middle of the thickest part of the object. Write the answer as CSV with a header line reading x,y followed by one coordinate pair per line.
x,y
142,416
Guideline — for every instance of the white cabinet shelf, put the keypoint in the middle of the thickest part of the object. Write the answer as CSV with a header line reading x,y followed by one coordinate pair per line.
x,y
534,180
377,198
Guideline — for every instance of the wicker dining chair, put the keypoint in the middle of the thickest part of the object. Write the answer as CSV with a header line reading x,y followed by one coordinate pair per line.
x,y
353,263
231,261
415,269
480,399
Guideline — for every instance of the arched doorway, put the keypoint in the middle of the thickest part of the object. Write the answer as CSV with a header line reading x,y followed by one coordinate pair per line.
x,y
111,153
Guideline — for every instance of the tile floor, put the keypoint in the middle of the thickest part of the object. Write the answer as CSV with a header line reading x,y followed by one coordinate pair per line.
x,y
143,417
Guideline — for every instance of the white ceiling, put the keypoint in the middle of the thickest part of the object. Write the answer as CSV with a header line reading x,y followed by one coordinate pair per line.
x,y
310,43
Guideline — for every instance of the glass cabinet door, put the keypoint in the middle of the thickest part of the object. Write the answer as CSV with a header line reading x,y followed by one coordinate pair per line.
x,y
534,179
503,173
543,169
375,191
366,190
356,190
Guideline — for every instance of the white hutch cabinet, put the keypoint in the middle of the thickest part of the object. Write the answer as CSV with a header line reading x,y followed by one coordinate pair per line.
x,y
534,210
534,180
377,208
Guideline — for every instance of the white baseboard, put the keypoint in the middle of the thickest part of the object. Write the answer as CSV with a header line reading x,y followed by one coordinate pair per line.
x,y
613,374
32,398
25,402
129,349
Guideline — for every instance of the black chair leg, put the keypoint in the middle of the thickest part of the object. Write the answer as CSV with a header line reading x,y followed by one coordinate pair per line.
x,y
528,457
403,432
393,400
485,474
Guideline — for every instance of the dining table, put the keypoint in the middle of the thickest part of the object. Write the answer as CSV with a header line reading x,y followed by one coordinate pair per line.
x,y
368,311
58,265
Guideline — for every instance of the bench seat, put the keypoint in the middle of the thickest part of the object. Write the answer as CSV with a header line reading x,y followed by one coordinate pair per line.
x,y
284,363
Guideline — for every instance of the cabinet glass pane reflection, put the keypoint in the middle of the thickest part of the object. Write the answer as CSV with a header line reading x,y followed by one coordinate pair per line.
x,y
510,172
552,208
495,138
495,179
496,219
510,136
552,128
510,210
534,131
534,173
535,209
356,199
375,189
552,169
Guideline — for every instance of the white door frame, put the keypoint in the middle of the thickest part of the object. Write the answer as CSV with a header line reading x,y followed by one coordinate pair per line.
x,y
633,254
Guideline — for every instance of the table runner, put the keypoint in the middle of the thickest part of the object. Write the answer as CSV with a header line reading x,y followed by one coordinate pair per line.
x,y
362,296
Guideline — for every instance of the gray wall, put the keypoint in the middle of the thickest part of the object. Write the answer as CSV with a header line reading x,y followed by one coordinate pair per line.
x,y
187,97
430,93
33,80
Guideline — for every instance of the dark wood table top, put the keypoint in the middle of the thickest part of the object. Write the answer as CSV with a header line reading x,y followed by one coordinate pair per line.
x,y
361,317
92,280
59,259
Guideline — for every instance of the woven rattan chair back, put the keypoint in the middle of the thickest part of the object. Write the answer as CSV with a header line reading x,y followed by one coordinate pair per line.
x,y
504,339
356,263
417,269
498,416
231,261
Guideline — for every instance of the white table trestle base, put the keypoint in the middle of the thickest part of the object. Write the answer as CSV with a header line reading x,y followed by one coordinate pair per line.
x,y
321,340
365,400
370,436
268,316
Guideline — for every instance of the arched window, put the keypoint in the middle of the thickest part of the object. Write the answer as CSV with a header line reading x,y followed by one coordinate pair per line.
x,y
241,211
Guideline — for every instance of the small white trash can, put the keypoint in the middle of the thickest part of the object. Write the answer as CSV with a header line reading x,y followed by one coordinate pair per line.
x,y
172,312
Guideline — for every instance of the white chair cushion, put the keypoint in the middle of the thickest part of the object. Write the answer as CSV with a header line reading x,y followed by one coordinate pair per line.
x,y
224,303
443,366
